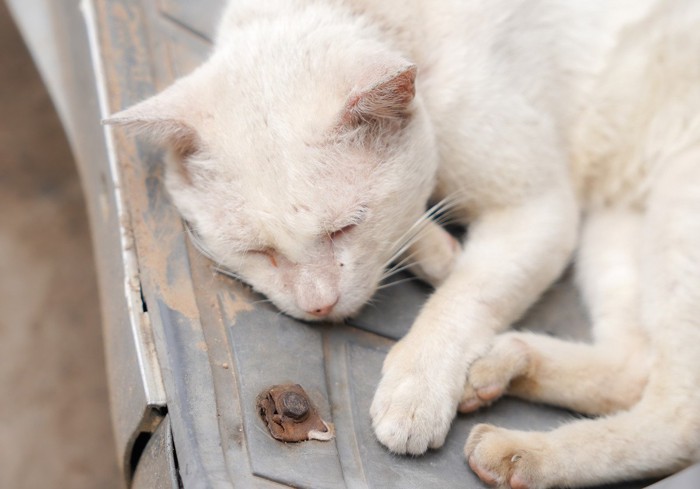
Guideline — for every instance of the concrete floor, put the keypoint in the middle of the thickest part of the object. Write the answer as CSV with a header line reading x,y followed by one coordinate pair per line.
x,y
54,420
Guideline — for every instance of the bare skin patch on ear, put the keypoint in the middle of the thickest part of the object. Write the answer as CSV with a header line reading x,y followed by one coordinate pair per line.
x,y
389,97
183,144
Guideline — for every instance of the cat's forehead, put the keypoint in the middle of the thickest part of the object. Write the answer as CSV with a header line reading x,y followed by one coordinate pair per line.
x,y
306,198
267,201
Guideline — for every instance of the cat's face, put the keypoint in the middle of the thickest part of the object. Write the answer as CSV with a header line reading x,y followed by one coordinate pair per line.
x,y
301,176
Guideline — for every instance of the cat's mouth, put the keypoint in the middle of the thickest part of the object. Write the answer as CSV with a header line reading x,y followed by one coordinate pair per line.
x,y
337,318
337,312
346,307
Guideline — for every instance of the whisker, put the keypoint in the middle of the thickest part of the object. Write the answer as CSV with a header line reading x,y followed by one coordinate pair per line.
x,y
228,273
439,213
404,259
199,245
372,303
407,240
397,282
406,262
398,270
410,240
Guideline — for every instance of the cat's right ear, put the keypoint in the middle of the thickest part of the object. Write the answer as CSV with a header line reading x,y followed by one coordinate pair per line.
x,y
385,92
162,119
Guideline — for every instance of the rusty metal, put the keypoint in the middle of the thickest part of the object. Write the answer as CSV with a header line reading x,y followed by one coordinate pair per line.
x,y
291,416
294,406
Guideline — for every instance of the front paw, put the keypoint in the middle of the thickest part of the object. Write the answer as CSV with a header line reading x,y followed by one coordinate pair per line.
x,y
411,414
490,375
505,458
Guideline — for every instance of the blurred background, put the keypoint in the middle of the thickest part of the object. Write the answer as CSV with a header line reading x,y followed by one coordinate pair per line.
x,y
55,430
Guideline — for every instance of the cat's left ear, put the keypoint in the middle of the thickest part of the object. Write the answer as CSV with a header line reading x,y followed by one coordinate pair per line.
x,y
163,119
386,92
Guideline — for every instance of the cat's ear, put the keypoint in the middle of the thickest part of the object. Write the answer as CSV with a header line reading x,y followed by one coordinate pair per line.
x,y
163,119
386,93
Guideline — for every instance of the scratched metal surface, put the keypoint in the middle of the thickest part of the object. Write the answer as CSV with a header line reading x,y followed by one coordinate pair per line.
x,y
219,346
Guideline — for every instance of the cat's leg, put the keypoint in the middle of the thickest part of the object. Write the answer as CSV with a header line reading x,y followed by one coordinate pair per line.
x,y
661,433
590,379
432,254
511,256
599,378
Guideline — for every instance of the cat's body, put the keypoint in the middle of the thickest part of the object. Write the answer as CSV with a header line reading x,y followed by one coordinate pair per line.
x,y
302,159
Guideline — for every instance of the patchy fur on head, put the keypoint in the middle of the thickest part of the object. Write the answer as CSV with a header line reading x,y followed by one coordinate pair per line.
x,y
299,155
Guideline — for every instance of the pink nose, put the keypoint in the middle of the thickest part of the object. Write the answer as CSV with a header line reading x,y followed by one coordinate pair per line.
x,y
322,311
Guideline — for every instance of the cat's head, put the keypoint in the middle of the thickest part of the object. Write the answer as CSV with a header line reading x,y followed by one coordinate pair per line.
x,y
300,161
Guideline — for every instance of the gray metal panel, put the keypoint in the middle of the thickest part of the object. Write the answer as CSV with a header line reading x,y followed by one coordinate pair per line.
x,y
200,16
271,349
191,404
687,479
392,310
156,469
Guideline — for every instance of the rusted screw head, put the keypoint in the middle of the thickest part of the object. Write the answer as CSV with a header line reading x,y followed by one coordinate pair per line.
x,y
294,406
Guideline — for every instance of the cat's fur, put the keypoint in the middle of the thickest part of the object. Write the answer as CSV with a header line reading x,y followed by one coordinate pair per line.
x,y
302,160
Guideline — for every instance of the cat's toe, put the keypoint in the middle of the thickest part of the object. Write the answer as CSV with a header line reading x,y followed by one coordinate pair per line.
x,y
504,458
475,398
470,402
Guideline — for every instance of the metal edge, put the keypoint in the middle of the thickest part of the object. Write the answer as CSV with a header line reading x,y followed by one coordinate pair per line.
x,y
140,322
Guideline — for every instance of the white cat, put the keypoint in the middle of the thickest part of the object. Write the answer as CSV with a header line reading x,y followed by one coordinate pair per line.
x,y
303,152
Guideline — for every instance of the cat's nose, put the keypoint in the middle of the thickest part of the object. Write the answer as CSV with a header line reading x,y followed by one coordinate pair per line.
x,y
323,311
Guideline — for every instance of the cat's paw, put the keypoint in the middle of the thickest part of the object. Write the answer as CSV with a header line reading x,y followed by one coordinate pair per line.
x,y
506,459
411,414
490,375
416,399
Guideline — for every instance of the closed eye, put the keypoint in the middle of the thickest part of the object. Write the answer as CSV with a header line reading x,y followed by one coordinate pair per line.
x,y
339,233
270,253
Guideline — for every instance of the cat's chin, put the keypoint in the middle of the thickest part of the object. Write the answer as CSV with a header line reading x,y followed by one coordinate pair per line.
x,y
339,317
343,313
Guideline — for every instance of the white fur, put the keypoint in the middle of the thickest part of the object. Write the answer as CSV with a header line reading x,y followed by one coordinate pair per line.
x,y
530,117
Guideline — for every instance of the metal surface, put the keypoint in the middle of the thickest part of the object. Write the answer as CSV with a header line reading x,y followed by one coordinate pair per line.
x,y
686,479
215,344
157,464
139,318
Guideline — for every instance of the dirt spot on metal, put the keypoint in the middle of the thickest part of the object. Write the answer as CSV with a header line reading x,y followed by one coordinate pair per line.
x,y
291,416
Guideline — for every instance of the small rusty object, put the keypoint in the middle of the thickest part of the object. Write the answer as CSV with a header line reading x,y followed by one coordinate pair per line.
x,y
291,416
294,406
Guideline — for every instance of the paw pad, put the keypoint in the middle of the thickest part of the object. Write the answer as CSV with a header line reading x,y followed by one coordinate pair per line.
x,y
501,457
